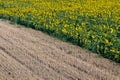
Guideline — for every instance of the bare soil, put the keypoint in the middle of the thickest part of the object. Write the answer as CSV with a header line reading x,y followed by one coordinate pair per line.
x,y
27,54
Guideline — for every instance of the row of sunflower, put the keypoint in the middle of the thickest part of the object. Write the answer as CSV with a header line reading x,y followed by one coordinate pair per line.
x,y
92,24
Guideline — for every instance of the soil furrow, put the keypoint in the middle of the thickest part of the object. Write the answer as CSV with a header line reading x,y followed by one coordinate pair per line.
x,y
26,50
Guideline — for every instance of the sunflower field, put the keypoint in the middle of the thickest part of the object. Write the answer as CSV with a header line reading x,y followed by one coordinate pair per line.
x,y
91,24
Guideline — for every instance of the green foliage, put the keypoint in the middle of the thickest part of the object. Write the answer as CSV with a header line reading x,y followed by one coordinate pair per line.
x,y
92,24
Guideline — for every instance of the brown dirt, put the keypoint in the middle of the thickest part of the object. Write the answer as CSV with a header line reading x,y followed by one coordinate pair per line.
x,y
26,54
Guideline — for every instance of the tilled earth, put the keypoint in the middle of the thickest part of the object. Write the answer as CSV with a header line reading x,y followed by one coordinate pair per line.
x,y
26,54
